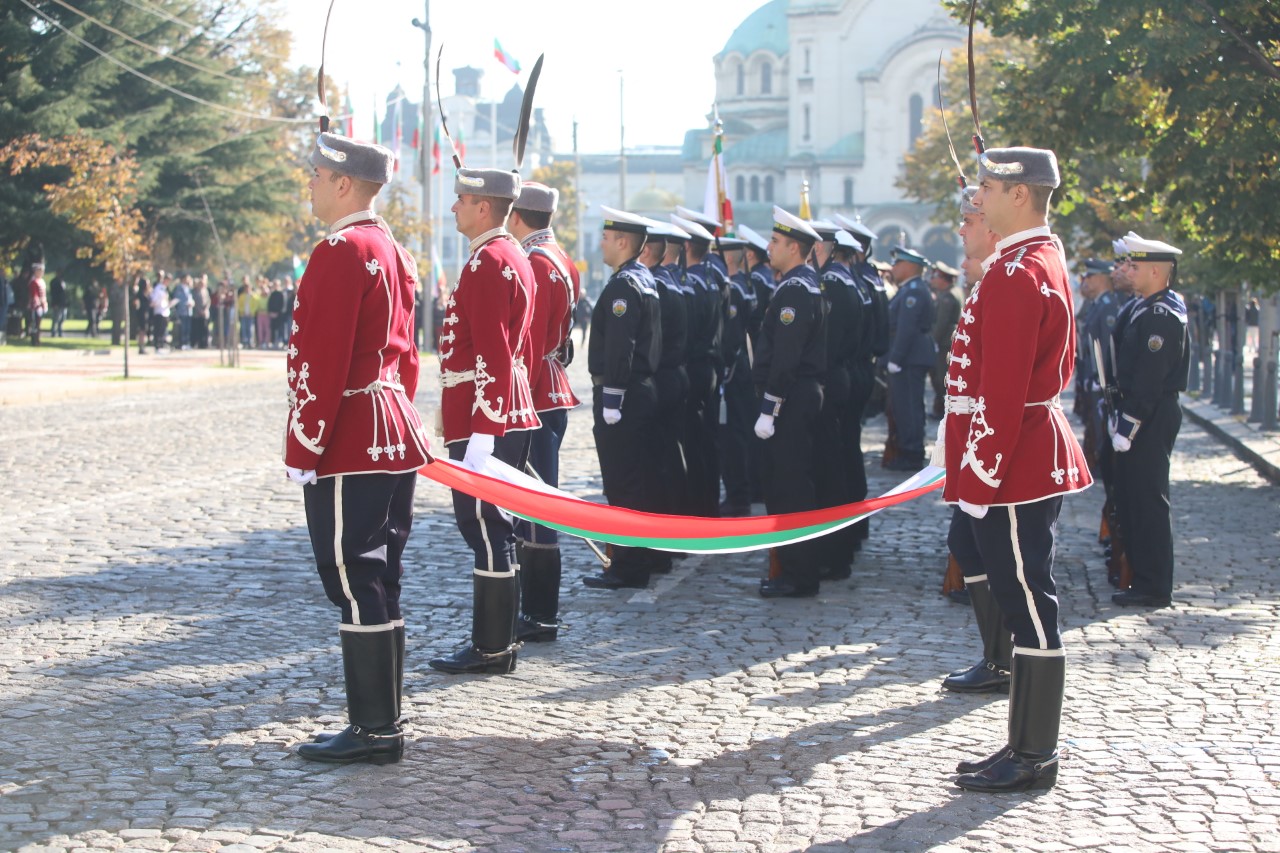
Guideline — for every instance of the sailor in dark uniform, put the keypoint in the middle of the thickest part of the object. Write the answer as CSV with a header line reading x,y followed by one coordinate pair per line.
x,y
910,356
788,372
738,397
670,381
623,355
762,284
1094,323
1152,363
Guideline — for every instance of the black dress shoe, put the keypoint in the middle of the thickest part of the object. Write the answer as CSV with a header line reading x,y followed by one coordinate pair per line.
x,y
1013,771
1133,598
981,763
530,630
354,744
606,580
783,588
960,596
984,677
469,660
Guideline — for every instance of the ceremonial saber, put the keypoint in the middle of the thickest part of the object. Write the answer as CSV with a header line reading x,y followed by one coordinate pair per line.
x,y
444,119
595,549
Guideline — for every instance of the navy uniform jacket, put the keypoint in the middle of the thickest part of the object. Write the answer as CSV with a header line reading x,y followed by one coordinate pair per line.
x,y
845,319
793,339
911,325
737,313
702,336
879,321
674,318
762,286
1099,322
626,331
1153,356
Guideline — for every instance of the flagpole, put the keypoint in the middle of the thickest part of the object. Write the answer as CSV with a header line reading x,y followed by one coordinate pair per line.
x,y
423,165
622,147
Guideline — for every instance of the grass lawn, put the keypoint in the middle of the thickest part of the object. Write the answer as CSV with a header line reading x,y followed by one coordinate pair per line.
x,y
75,337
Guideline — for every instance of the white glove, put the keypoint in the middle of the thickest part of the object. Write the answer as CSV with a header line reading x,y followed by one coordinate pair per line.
x,y
975,510
1118,442
479,448
299,476
892,368
764,426
612,416
938,458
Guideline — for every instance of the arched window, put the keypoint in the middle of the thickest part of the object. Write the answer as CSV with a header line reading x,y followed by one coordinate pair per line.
x,y
742,79
740,186
755,187
806,123
915,120
766,79
768,188
806,61
848,192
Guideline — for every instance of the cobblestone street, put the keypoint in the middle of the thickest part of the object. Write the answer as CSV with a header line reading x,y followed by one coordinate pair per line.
x,y
166,645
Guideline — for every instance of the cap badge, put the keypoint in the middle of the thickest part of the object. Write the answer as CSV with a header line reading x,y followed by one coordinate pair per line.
x,y
995,168
332,153
469,181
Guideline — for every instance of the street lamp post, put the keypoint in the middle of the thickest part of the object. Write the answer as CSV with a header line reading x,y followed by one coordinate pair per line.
x,y
424,172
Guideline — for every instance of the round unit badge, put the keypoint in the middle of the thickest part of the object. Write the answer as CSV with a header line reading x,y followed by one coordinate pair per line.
x,y
787,316
1154,343
619,307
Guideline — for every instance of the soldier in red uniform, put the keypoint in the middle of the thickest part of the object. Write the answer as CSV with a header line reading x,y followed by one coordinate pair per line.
x,y
556,292
486,403
354,439
1010,453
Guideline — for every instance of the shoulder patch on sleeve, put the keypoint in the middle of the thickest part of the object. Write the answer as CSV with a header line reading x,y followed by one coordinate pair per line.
x,y
619,307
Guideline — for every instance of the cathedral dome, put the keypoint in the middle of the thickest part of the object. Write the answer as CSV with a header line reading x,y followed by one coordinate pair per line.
x,y
763,29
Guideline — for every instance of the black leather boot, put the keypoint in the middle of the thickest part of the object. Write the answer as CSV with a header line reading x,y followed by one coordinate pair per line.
x,y
397,633
1030,761
493,624
991,674
374,736
539,595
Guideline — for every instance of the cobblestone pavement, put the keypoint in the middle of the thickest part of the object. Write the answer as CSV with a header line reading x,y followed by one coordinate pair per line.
x,y
165,646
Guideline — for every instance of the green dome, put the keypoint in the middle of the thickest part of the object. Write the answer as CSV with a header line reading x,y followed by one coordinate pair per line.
x,y
764,29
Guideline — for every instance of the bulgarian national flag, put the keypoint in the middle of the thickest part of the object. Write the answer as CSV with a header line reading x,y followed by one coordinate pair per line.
x,y
505,58
716,201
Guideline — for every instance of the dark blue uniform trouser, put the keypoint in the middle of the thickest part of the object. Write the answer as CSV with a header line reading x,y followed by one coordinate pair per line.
x,y
671,387
701,425
831,466
789,476
627,451
359,524
861,381
741,408
1141,485
488,530
544,458
906,390
1014,545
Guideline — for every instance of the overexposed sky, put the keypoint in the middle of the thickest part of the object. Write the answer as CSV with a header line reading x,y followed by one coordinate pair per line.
x,y
664,49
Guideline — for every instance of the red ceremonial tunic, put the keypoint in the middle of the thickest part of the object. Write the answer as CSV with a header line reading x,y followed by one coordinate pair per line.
x,y
557,291
353,366
486,345
1007,439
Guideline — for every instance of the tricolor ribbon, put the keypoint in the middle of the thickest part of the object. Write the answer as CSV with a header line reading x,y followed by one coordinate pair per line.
x,y
526,497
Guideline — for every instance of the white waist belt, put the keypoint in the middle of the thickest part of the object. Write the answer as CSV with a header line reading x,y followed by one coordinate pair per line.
x,y
957,405
374,387
450,378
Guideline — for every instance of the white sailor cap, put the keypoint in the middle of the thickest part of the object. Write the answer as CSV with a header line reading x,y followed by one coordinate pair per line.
x,y
860,232
826,229
694,229
1119,247
362,160
790,225
1142,249
710,223
846,240
731,243
666,230
753,239
620,220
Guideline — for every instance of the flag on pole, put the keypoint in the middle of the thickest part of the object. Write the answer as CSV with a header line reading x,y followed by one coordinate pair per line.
x,y
460,145
437,270
399,128
350,122
435,152
377,125
505,58
806,212
715,201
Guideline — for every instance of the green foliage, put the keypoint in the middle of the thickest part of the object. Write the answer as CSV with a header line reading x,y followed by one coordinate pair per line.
x,y
561,176
225,52
1164,117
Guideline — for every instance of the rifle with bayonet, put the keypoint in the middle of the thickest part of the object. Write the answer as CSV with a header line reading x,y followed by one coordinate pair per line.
x,y
1119,572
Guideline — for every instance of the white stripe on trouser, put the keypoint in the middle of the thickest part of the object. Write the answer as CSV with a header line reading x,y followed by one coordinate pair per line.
x,y
369,629
1022,577
337,549
484,534
975,579
482,573
1039,653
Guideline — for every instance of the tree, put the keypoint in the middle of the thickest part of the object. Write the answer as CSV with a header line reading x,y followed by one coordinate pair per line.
x,y
560,175
94,190
218,109
1162,117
